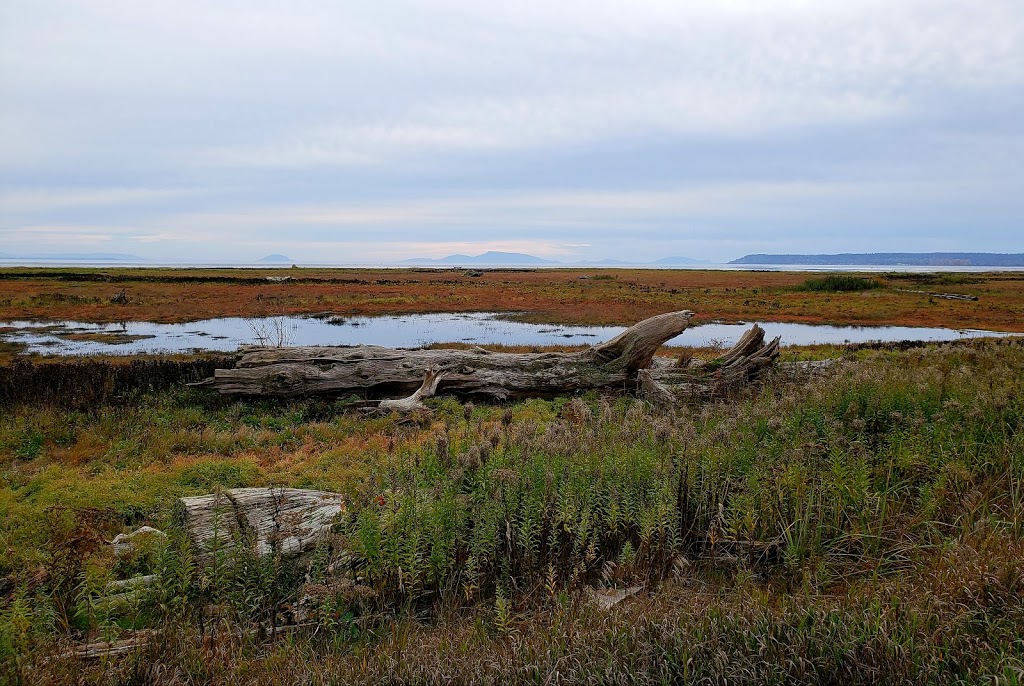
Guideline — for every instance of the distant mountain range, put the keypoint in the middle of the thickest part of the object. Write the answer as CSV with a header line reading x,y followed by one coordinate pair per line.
x,y
82,256
895,259
490,257
680,260
495,258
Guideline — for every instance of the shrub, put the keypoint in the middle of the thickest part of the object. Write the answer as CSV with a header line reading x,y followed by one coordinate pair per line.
x,y
209,476
838,283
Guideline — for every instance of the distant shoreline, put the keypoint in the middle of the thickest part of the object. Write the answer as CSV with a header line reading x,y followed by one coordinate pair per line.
x,y
888,259
732,266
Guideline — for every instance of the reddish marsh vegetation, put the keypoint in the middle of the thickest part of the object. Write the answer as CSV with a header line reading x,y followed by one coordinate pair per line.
x,y
570,296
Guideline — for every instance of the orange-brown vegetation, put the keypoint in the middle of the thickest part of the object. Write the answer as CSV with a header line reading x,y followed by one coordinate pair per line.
x,y
572,296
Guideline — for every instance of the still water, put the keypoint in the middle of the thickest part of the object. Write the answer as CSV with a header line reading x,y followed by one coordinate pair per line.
x,y
412,330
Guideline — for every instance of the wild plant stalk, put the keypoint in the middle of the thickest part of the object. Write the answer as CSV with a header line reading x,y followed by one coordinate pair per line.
x,y
272,332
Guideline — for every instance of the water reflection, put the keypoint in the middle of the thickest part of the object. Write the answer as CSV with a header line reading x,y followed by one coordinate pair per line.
x,y
401,331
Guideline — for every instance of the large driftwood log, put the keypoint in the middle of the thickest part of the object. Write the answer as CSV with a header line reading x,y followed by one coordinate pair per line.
x,y
383,372
288,521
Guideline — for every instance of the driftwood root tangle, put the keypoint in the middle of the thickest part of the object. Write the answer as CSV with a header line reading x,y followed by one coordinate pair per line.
x,y
664,384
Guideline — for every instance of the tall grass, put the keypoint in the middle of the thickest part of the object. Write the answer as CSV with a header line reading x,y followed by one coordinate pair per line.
x,y
92,383
888,497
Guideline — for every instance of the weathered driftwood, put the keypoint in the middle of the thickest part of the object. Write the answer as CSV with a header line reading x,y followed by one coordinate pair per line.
x,y
415,401
123,595
653,392
95,650
621,363
288,521
130,641
125,544
133,584
805,370
377,371
665,383
944,296
607,598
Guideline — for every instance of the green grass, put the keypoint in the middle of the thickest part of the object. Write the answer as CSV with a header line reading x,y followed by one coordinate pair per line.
x,y
892,493
839,283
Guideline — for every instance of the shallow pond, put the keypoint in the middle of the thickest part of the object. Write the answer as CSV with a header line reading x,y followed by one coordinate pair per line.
x,y
75,338
412,330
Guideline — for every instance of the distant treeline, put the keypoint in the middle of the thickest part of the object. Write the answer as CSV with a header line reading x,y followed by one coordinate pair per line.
x,y
896,259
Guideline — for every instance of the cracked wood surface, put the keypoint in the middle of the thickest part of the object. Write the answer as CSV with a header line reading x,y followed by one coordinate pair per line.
x,y
288,521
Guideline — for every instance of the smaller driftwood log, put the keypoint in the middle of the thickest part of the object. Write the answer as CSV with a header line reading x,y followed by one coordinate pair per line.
x,y
289,521
415,401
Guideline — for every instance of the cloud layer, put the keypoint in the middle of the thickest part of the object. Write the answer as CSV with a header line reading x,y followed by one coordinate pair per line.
x,y
374,131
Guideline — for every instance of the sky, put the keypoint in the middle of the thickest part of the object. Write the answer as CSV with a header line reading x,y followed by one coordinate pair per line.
x,y
346,132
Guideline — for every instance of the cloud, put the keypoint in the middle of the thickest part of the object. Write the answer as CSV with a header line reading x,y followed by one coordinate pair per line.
x,y
27,200
705,220
515,124
576,211
57,235
370,250
643,126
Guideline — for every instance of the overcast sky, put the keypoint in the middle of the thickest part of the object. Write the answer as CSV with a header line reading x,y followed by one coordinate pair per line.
x,y
336,131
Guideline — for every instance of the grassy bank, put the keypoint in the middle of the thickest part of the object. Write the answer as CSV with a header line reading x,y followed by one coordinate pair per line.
x,y
887,502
